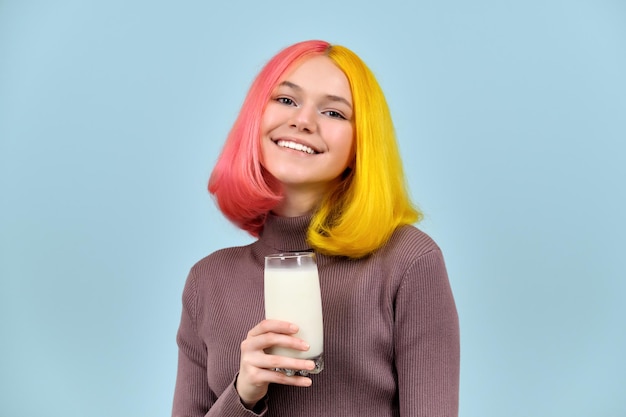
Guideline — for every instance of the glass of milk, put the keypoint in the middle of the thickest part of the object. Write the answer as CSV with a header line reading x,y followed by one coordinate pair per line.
x,y
292,293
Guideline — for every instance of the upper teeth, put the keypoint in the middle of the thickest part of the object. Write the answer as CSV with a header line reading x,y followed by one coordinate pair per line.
x,y
296,146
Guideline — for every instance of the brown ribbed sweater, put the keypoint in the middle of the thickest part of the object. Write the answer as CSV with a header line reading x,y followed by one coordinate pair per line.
x,y
391,335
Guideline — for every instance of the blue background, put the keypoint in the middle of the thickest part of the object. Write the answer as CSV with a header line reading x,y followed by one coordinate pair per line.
x,y
511,117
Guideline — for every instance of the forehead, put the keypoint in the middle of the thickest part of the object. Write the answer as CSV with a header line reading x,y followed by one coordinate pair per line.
x,y
319,74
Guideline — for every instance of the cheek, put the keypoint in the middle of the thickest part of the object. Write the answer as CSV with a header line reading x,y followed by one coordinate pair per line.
x,y
263,148
347,140
265,123
270,118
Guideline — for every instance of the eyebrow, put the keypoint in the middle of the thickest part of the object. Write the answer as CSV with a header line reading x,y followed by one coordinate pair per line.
x,y
331,97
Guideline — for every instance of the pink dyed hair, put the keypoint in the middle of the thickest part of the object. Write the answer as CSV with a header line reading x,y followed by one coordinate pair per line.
x,y
243,193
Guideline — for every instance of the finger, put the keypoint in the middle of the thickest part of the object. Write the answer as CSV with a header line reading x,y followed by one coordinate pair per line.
x,y
267,340
274,326
283,362
254,360
255,374
277,377
260,345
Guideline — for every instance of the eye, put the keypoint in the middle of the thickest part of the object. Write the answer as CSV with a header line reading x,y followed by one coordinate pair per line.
x,y
334,114
285,100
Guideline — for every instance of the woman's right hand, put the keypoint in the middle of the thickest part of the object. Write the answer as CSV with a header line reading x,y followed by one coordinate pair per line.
x,y
255,369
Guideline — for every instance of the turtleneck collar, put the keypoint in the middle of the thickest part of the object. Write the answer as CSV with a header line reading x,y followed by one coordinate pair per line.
x,y
285,234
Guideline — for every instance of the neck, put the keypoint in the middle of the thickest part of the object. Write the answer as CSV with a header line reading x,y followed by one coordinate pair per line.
x,y
298,202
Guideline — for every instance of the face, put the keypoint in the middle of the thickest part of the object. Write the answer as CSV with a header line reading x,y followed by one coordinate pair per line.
x,y
306,130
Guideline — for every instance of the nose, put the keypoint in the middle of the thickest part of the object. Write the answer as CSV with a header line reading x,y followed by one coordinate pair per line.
x,y
304,119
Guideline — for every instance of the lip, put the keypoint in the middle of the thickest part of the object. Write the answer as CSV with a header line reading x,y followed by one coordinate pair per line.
x,y
298,141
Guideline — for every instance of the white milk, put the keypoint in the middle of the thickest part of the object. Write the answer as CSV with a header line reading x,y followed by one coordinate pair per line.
x,y
293,295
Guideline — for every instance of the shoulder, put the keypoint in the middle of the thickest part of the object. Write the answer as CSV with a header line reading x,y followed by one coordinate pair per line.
x,y
220,259
418,263
223,272
409,242
411,251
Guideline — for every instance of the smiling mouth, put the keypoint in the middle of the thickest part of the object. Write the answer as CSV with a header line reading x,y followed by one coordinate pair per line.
x,y
296,146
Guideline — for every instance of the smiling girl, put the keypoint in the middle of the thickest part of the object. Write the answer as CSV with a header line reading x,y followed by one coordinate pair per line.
x,y
312,163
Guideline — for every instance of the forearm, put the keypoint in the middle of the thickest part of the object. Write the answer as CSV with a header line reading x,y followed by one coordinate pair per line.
x,y
228,404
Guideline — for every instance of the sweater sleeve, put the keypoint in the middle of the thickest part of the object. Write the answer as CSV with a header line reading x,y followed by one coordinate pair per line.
x,y
192,396
427,351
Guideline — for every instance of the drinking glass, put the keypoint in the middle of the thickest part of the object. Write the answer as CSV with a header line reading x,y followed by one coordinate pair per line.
x,y
292,293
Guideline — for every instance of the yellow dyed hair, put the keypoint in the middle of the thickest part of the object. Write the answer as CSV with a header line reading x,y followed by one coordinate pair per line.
x,y
372,200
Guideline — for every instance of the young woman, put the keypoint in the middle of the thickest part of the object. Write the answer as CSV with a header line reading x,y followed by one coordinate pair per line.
x,y
312,163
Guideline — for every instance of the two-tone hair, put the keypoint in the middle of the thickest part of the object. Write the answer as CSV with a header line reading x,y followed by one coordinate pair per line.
x,y
356,217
